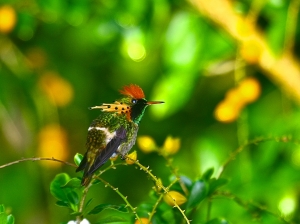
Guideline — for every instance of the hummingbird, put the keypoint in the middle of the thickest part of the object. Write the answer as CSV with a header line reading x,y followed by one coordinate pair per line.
x,y
114,132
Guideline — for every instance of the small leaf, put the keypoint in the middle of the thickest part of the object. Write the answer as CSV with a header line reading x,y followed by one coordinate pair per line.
x,y
214,184
73,197
77,158
73,183
96,182
55,186
62,204
88,203
217,221
113,220
186,181
198,193
208,173
101,207
3,216
10,219
76,213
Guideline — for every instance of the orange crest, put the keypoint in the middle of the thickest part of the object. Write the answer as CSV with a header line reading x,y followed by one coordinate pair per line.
x,y
133,91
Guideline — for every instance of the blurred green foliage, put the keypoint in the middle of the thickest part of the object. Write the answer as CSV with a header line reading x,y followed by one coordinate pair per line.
x,y
57,58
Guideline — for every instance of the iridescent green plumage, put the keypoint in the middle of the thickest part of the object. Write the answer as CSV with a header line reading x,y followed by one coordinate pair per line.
x,y
114,131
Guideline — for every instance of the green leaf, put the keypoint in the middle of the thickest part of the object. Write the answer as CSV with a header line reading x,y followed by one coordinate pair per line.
x,y
101,207
113,220
208,173
78,158
10,219
62,204
73,183
76,213
198,193
218,221
3,216
214,184
166,214
56,186
73,197
187,181
88,203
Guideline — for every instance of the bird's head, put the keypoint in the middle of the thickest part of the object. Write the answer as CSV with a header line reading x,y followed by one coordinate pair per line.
x,y
132,104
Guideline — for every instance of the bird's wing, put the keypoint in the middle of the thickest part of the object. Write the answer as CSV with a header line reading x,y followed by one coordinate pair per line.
x,y
109,150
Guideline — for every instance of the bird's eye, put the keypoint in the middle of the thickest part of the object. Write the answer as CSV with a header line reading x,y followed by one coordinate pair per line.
x,y
134,101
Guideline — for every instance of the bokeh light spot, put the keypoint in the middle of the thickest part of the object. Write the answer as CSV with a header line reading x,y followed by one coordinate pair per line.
x,y
8,19
287,205
136,51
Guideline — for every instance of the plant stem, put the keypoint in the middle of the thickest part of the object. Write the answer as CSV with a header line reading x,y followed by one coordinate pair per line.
x,y
37,159
122,196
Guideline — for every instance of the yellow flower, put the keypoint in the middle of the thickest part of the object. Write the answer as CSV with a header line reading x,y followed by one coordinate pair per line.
x,y
146,144
226,112
58,90
53,143
249,89
171,145
143,221
173,196
8,19
131,158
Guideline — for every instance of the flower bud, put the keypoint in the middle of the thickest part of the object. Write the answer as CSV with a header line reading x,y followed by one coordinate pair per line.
x,y
131,158
173,197
143,221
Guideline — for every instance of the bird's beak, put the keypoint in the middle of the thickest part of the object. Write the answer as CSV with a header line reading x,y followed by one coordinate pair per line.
x,y
154,102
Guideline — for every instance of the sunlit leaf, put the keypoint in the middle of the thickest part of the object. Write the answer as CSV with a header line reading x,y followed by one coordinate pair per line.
x,y
3,216
101,207
10,219
78,158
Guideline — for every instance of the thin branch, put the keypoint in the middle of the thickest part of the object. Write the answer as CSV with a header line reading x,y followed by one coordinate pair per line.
x,y
255,142
250,205
174,170
37,159
121,195
158,183
159,200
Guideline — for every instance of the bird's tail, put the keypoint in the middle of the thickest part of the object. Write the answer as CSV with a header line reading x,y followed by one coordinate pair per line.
x,y
86,180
